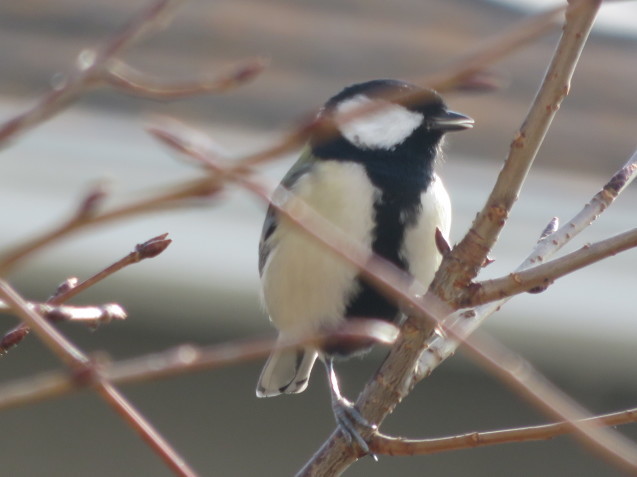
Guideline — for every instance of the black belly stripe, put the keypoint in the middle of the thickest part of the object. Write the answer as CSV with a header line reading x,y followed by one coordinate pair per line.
x,y
394,213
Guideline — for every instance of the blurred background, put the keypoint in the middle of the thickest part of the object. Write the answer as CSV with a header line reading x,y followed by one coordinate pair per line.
x,y
204,288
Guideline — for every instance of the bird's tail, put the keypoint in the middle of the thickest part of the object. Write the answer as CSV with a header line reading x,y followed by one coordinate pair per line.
x,y
287,371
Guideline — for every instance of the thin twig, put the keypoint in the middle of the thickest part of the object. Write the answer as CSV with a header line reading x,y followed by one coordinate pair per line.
x,y
464,262
51,337
205,187
131,81
466,321
381,444
392,281
180,360
143,427
461,75
167,200
92,316
149,249
84,370
90,65
464,72
545,274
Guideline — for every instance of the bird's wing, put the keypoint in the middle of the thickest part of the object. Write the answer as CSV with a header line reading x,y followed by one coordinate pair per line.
x,y
300,168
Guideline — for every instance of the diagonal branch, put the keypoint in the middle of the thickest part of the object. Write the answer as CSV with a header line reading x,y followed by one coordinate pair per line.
x,y
464,262
131,81
183,359
84,370
541,276
90,65
396,376
395,380
464,74
551,240
382,444
70,288
465,71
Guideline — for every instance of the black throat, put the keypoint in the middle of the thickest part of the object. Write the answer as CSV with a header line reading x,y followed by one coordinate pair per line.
x,y
401,175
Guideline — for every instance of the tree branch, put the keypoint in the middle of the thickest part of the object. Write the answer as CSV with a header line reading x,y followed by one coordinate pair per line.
x,y
84,370
464,262
131,81
395,377
182,359
70,288
468,71
381,444
392,383
541,276
89,67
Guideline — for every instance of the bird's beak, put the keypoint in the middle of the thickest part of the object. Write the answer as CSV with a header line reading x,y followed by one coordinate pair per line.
x,y
451,121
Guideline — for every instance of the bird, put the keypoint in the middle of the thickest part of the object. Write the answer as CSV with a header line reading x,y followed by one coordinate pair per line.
x,y
372,176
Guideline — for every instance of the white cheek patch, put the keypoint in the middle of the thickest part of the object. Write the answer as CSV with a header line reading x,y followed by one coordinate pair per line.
x,y
384,128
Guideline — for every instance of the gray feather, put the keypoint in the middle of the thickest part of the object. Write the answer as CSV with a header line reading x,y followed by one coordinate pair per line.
x,y
301,167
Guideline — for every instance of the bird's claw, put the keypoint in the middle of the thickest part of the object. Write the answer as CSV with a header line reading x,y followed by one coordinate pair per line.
x,y
348,419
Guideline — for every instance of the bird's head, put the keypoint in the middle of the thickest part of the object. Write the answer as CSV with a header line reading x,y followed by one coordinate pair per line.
x,y
384,118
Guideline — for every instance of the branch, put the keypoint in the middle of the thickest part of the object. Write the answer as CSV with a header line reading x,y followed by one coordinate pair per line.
x,y
131,81
145,429
544,275
465,322
468,71
382,444
148,249
465,75
84,370
555,240
184,359
93,316
464,262
88,216
206,186
90,65
395,379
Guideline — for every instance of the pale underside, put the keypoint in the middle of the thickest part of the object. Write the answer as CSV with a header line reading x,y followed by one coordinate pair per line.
x,y
306,286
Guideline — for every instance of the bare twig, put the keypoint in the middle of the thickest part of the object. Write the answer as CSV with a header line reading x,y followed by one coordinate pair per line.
x,y
381,395
149,249
90,65
54,340
464,262
543,275
381,444
599,203
92,316
551,240
143,427
180,360
205,186
172,198
468,70
465,74
128,80
84,370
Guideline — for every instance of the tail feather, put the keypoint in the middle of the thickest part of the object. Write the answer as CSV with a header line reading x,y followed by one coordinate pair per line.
x,y
286,372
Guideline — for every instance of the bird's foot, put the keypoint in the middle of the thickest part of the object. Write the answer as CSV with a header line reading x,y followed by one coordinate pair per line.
x,y
349,419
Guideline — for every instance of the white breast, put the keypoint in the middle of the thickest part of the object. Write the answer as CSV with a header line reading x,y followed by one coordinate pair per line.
x,y
305,287
419,247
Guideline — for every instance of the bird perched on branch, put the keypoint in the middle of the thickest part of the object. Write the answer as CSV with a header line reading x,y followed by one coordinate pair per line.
x,y
369,170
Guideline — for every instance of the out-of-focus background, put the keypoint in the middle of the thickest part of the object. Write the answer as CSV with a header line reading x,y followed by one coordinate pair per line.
x,y
204,289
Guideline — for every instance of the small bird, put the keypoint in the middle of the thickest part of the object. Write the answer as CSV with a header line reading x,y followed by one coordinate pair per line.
x,y
372,176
